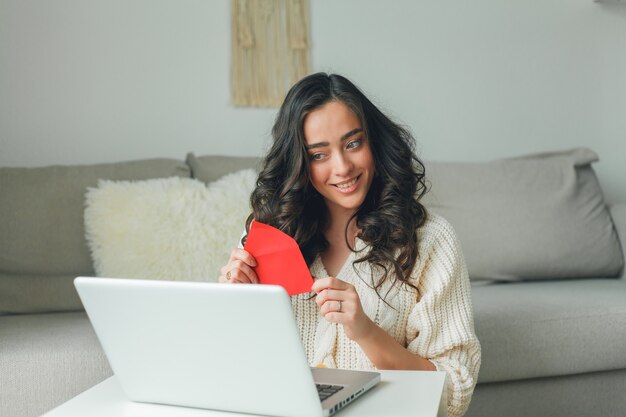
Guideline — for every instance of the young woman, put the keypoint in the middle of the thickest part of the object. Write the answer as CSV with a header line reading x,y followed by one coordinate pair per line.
x,y
391,287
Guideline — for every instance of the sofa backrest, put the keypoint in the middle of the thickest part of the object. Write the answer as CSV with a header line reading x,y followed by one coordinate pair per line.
x,y
42,244
209,168
539,216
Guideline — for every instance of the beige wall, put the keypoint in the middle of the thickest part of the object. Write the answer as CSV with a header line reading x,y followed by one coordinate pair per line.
x,y
107,80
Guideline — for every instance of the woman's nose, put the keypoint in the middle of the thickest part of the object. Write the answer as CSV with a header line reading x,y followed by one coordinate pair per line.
x,y
342,166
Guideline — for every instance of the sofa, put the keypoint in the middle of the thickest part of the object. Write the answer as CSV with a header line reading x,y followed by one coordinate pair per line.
x,y
542,248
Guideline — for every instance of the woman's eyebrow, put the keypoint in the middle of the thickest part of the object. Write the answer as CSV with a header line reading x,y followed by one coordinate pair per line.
x,y
343,138
351,133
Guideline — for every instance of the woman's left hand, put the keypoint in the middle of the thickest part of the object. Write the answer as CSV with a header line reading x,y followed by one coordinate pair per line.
x,y
339,303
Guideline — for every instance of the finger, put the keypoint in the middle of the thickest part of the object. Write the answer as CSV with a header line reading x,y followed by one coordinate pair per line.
x,y
224,274
329,282
321,284
333,306
243,255
235,262
334,317
227,273
328,295
238,276
245,269
224,270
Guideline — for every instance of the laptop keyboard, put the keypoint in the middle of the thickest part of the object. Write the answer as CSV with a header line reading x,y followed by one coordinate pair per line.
x,y
326,391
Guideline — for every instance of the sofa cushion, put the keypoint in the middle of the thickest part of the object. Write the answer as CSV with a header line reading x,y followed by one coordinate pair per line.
x,y
41,221
46,359
550,328
209,168
174,228
535,217
597,394
37,293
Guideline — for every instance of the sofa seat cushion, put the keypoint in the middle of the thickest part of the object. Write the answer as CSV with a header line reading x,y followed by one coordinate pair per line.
x,y
550,328
48,357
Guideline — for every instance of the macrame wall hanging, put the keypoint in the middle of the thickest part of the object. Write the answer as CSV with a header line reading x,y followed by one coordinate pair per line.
x,y
270,49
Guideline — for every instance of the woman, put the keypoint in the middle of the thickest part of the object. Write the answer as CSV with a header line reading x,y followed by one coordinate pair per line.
x,y
391,288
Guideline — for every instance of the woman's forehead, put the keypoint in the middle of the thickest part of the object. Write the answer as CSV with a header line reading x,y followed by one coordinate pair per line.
x,y
330,123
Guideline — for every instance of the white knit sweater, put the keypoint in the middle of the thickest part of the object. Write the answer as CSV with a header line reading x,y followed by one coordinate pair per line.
x,y
435,322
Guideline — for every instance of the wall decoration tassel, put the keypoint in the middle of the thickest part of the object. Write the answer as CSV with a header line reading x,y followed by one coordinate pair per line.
x,y
270,49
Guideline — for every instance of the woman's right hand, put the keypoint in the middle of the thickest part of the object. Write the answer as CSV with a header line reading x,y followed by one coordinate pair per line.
x,y
239,268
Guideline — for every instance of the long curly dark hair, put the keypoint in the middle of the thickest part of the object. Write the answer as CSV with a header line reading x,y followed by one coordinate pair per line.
x,y
389,217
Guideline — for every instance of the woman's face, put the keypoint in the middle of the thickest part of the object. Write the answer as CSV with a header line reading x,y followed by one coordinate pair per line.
x,y
340,158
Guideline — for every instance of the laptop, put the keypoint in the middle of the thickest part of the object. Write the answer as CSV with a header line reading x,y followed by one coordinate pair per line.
x,y
230,347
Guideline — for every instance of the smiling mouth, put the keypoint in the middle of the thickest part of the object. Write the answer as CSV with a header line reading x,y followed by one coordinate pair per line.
x,y
348,184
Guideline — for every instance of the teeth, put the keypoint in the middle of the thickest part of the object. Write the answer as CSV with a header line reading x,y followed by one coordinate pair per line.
x,y
347,184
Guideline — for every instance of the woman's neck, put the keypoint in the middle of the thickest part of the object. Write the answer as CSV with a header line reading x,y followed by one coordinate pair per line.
x,y
336,231
338,251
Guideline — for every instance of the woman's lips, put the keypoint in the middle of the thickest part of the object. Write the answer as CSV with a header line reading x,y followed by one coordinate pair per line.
x,y
348,186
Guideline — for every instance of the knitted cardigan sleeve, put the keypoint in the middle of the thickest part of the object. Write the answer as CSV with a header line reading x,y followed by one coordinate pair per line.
x,y
441,326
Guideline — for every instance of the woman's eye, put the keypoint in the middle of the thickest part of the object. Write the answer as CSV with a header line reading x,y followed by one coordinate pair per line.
x,y
317,157
354,144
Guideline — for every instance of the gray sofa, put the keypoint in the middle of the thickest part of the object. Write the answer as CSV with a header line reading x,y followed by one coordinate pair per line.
x,y
542,247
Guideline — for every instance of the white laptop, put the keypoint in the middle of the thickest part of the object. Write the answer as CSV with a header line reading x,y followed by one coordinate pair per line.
x,y
215,346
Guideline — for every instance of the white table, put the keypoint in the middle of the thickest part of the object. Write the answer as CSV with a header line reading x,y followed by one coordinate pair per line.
x,y
399,394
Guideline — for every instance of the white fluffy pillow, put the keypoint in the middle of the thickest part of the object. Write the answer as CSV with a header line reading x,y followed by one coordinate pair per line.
x,y
170,229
